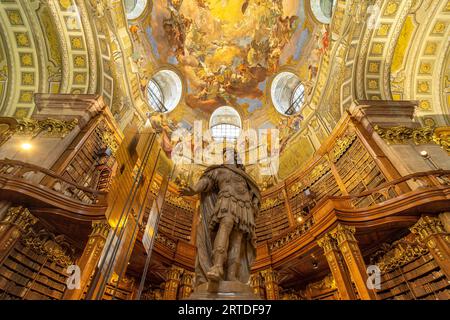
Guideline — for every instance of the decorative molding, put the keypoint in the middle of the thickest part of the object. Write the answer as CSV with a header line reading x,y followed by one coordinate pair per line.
x,y
401,252
427,226
422,135
108,138
19,217
341,145
55,248
50,127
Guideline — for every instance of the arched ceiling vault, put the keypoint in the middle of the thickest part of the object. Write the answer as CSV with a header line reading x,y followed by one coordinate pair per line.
x,y
89,46
406,56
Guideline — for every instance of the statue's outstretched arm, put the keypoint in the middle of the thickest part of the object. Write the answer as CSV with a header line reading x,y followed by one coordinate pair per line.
x,y
202,185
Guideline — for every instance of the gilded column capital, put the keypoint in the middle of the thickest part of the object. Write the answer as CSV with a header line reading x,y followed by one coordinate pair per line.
x,y
20,217
270,275
427,226
187,278
327,243
256,279
343,233
174,273
100,228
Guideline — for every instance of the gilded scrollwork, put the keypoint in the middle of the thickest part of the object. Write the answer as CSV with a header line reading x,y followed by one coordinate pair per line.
x,y
55,248
441,136
391,257
108,139
427,226
317,172
421,135
178,201
20,217
100,228
270,203
49,127
341,145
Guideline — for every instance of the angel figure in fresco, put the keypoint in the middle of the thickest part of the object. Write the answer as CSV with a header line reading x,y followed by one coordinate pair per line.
x,y
165,127
226,239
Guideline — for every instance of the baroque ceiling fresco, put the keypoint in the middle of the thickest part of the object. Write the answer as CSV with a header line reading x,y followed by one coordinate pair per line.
x,y
227,52
227,49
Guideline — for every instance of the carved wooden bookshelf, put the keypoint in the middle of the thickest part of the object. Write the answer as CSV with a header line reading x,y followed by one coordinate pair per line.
x,y
359,172
420,279
271,222
176,221
26,275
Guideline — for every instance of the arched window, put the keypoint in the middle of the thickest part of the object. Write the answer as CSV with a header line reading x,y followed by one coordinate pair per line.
x,y
297,100
287,93
134,8
164,91
322,10
155,96
225,123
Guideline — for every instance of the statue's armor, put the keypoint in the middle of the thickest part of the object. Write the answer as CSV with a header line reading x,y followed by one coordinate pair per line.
x,y
235,199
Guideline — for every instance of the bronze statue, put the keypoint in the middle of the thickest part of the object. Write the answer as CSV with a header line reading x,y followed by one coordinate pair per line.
x,y
226,238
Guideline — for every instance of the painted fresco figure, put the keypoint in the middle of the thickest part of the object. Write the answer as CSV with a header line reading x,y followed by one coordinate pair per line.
x,y
226,238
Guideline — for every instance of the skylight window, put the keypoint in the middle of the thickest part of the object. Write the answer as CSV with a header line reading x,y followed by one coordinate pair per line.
x,y
225,124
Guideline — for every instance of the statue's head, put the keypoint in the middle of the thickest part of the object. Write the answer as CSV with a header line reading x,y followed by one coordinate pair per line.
x,y
231,156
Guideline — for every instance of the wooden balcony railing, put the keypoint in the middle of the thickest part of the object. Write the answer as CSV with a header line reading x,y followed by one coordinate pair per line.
x,y
35,175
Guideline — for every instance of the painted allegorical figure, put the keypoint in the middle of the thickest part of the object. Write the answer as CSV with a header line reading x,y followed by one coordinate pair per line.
x,y
226,238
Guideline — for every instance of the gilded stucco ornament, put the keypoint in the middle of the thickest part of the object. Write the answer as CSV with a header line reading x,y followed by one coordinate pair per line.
x,y
108,138
398,254
342,144
55,248
422,135
49,127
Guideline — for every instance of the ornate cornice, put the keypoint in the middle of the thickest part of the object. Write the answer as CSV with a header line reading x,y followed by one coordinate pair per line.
x,y
343,233
49,127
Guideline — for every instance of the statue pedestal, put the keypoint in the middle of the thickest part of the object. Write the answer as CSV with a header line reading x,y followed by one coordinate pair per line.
x,y
223,290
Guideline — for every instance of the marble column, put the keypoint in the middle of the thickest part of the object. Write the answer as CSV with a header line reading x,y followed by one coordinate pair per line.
x,y
338,269
15,223
271,279
172,283
90,257
347,243
430,230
